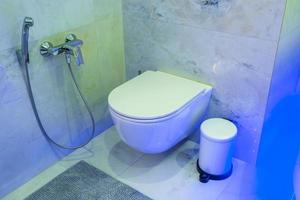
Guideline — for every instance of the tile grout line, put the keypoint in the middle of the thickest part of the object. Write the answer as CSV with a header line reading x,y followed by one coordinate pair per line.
x,y
127,168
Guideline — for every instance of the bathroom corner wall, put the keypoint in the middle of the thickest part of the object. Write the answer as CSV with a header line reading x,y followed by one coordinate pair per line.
x,y
231,46
24,152
280,139
286,71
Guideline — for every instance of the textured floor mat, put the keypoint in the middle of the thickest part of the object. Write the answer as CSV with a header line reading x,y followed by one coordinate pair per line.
x,y
85,182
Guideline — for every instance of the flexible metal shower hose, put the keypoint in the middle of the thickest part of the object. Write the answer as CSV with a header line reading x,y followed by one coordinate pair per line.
x,y
40,124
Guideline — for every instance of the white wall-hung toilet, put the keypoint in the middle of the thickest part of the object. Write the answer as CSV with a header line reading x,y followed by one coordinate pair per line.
x,y
155,110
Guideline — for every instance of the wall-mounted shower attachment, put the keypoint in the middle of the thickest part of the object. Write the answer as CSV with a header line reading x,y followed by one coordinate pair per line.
x,y
71,47
23,53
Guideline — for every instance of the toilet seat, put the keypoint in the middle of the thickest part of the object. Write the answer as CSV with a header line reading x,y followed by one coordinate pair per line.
x,y
153,120
165,96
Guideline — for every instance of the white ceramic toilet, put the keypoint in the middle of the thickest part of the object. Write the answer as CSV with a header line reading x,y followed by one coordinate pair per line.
x,y
155,110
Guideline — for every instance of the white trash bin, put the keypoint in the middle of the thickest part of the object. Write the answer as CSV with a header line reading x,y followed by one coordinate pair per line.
x,y
216,148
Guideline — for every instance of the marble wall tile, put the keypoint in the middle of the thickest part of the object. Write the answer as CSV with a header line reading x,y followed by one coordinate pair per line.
x,y
105,8
239,68
50,17
291,18
261,19
137,8
24,156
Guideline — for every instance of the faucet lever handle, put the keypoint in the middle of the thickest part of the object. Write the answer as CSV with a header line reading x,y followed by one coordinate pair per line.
x,y
70,37
45,48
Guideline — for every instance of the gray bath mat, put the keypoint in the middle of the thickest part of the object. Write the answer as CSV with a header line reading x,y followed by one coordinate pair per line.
x,y
85,182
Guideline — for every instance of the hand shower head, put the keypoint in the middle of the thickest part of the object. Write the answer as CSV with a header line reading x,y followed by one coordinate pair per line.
x,y
28,22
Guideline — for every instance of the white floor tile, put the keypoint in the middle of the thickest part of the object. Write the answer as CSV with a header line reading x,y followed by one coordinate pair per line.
x,y
106,152
241,183
173,175
160,176
75,157
169,175
188,186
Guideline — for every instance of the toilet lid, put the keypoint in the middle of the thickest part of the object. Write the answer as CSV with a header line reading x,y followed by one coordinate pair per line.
x,y
154,95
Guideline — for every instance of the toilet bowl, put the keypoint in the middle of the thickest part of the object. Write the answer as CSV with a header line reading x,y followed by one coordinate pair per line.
x,y
155,110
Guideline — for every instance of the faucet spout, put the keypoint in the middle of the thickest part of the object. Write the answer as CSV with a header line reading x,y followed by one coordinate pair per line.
x,y
76,52
78,56
73,47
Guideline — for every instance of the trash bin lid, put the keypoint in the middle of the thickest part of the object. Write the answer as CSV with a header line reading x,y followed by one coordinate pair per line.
x,y
218,130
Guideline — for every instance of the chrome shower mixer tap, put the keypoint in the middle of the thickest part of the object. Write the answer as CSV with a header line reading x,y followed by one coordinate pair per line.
x,y
71,47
